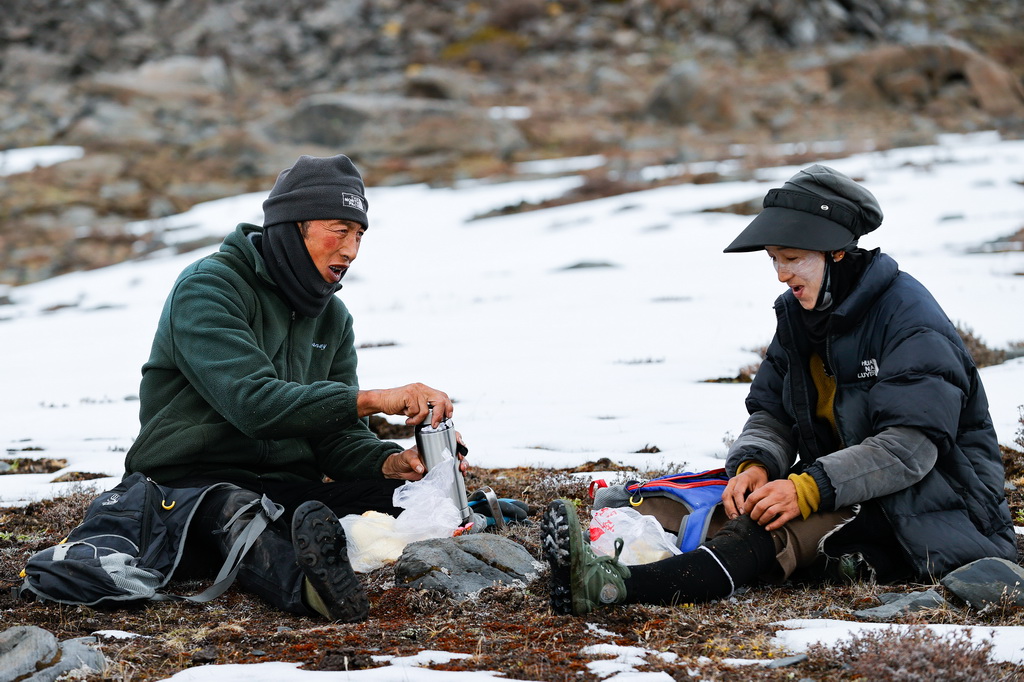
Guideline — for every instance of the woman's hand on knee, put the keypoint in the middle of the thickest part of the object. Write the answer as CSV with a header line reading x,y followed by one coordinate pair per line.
x,y
739,488
774,504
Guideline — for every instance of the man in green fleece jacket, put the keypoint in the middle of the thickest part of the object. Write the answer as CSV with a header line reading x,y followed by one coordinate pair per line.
x,y
252,380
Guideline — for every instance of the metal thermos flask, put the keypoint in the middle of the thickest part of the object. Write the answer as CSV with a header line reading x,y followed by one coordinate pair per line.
x,y
431,443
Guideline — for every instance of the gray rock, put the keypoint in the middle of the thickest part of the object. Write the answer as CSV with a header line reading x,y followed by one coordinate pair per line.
x,y
787,661
464,565
896,605
986,582
35,64
110,120
75,654
172,78
31,654
433,82
376,125
689,93
914,75
22,647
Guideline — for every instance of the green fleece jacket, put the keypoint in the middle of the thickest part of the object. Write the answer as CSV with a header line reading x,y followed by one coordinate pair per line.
x,y
239,386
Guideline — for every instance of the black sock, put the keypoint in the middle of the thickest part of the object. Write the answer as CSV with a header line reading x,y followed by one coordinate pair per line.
x,y
737,554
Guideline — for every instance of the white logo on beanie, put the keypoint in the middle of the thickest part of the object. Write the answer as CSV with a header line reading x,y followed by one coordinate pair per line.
x,y
353,201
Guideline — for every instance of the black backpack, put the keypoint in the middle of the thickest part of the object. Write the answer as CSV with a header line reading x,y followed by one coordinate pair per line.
x,y
129,545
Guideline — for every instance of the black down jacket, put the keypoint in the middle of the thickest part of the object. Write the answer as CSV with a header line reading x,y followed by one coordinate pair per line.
x,y
900,365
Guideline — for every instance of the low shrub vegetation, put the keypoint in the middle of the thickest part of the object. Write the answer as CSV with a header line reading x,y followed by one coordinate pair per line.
x,y
508,629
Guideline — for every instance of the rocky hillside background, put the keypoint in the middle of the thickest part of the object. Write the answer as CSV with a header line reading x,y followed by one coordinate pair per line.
x,y
182,101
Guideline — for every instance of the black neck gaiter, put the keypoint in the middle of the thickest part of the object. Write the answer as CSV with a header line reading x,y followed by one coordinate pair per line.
x,y
292,269
837,283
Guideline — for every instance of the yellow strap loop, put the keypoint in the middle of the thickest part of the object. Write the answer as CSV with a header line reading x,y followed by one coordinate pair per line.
x,y
168,507
639,500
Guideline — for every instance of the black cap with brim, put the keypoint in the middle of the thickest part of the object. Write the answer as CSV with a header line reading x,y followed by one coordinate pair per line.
x,y
791,229
818,209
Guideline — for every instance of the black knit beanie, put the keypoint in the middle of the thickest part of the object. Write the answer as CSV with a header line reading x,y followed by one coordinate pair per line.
x,y
317,189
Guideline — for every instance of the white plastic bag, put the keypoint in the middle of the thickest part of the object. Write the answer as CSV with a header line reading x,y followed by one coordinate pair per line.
x,y
644,541
429,511
375,539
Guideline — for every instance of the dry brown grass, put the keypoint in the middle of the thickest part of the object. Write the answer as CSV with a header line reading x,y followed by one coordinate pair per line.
x,y
506,629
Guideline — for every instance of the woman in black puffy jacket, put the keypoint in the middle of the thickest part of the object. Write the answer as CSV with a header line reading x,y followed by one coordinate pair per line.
x,y
869,449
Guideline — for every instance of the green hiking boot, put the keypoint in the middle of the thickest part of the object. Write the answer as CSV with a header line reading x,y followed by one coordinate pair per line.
x,y
580,579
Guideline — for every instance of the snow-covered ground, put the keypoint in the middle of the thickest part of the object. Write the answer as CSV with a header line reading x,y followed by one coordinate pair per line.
x,y
550,363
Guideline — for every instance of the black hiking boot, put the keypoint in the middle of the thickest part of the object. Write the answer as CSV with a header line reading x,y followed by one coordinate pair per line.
x,y
321,552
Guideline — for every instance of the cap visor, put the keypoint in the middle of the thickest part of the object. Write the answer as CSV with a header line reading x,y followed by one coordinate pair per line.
x,y
791,229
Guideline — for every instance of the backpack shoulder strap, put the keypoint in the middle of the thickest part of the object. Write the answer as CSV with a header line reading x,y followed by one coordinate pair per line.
x,y
267,512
